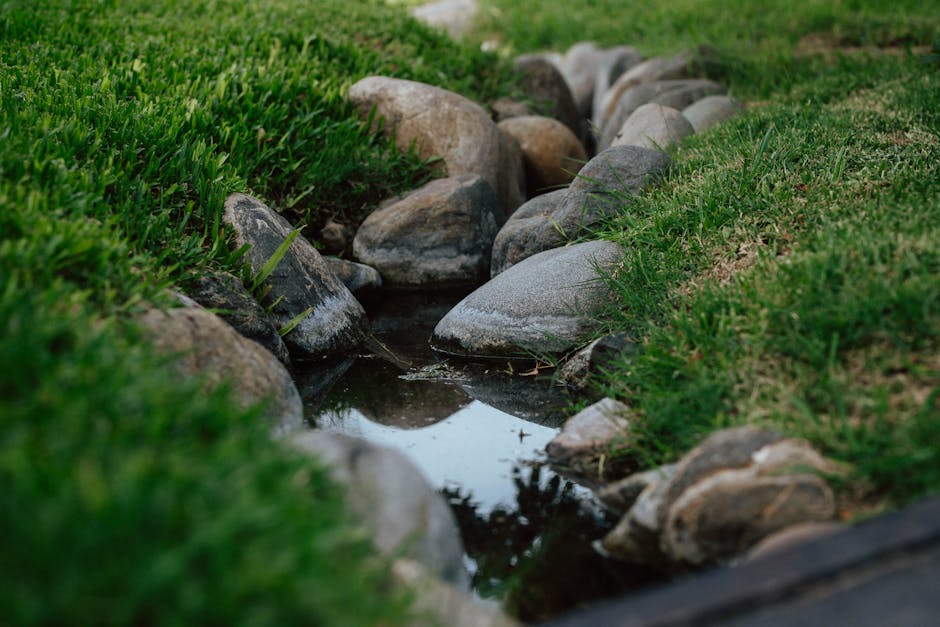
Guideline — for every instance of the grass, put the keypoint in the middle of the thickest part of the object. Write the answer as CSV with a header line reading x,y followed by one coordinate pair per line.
x,y
788,272
128,498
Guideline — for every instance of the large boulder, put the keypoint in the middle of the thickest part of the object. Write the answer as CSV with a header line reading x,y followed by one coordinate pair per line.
x,y
226,295
543,83
545,304
204,346
653,126
394,501
551,152
587,438
440,123
597,191
677,94
301,286
711,110
436,237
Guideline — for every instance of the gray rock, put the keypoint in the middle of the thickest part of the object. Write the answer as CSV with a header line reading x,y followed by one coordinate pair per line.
x,y
598,191
677,94
636,537
335,237
453,16
507,108
594,358
711,110
688,64
653,126
439,123
620,496
544,84
393,500
210,349
300,282
437,236
357,277
587,438
551,153
579,67
615,62
542,305
437,603
229,298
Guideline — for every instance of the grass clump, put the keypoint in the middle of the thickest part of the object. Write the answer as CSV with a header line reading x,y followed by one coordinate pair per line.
x,y
787,272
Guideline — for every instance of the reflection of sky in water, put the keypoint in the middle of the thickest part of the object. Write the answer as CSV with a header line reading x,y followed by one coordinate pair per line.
x,y
474,448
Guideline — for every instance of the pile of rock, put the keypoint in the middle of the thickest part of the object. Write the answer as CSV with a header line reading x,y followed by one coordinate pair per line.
x,y
737,488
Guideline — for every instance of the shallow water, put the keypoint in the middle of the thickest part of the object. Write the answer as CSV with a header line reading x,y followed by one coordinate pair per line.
x,y
478,434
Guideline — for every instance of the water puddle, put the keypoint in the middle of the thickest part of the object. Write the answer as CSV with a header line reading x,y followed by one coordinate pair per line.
x,y
478,435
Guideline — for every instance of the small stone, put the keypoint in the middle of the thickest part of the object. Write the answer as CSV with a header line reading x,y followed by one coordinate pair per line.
x,y
621,495
524,234
301,287
544,84
233,303
594,358
587,438
542,305
579,67
440,123
636,537
552,154
335,237
435,237
507,108
711,110
653,126
357,277
404,514
453,16
210,349
615,62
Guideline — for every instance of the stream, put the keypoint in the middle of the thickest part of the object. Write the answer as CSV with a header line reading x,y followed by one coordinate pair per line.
x,y
478,432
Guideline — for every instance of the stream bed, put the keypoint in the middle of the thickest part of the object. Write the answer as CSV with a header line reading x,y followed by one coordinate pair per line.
x,y
478,433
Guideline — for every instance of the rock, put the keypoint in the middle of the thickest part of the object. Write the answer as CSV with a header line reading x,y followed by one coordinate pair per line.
x,y
357,277
552,154
588,437
636,537
506,108
544,304
653,126
676,94
579,67
210,349
394,501
614,63
686,64
437,236
711,110
594,358
621,495
438,603
335,237
234,304
790,537
453,16
439,123
598,190
301,282
544,84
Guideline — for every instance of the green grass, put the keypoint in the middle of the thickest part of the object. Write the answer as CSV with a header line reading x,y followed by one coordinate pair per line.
x,y
788,272
128,498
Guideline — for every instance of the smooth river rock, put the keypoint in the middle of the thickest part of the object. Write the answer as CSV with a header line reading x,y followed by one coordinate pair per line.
x,y
543,83
301,282
391,497
440,123
711,110
615,62
653,126
579,67
438,236
210,349
542,305
587,438
228,297
551,153
357,277
599,190
453,16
